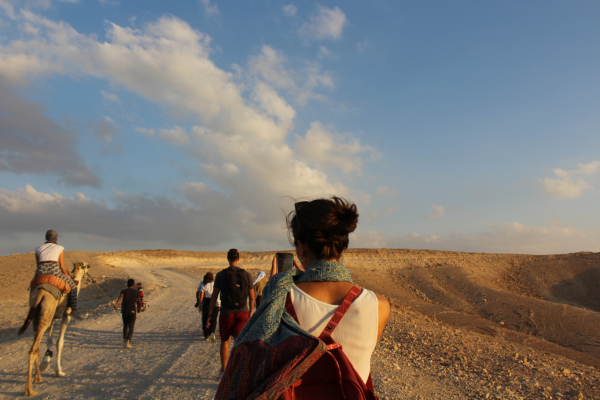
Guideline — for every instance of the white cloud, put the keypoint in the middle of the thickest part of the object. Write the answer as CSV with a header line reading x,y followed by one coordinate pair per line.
x,y
241,143
132,217
512,237
270,66
210,9
290,10
324,52
384,213
438,211
146,131
302,81
327,23
385,191
566,183
110,96
176,135
326,149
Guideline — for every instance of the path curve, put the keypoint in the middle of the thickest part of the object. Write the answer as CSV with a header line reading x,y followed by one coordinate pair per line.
x,y
169,358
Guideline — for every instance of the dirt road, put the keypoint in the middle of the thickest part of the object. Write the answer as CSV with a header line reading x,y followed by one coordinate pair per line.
x,y
168,359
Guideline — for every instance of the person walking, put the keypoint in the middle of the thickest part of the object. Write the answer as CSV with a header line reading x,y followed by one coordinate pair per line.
x,y
204,295
49,259
130,306
234,284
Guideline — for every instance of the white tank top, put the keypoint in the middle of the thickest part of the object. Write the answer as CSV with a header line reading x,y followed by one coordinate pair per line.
x,y
356,332
49,252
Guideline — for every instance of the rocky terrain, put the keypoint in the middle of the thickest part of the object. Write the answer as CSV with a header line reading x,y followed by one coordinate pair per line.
x,y
463,325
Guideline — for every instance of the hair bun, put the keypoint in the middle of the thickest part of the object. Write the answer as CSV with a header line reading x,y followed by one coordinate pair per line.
x,y
323,225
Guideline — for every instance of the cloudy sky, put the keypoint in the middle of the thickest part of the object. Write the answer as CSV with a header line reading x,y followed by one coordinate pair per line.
x,y
463,125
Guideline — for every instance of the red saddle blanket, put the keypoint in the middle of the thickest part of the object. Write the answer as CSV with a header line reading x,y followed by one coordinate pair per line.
x,y
52,280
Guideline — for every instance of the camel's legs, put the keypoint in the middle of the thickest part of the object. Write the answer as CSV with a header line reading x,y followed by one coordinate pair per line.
x,y
34,354
61,340
50,343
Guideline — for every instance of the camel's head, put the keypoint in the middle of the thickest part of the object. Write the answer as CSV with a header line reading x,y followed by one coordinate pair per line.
x,y
79,270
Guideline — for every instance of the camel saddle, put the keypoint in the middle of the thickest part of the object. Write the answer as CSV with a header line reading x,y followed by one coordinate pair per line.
x,y
52,280
53,290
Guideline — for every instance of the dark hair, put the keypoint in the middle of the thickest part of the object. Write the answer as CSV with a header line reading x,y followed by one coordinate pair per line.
x,y
208,277
139,283
130,282
323,225
51,236
233,255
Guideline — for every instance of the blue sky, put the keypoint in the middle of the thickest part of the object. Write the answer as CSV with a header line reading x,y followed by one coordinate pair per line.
x,y
465,125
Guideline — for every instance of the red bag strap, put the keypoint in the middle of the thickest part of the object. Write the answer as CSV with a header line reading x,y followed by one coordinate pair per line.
x,y
290,307
337,317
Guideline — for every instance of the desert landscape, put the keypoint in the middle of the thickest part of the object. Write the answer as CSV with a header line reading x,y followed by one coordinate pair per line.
x,y
463,325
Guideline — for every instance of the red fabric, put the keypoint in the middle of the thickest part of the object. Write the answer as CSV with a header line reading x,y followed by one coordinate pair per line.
x,y
232,324
53,280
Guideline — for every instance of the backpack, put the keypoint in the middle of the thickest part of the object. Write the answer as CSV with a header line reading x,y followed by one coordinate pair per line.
x,y
237,289
333,376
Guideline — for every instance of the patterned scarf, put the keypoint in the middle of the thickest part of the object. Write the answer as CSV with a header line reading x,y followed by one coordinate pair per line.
x,y
273,351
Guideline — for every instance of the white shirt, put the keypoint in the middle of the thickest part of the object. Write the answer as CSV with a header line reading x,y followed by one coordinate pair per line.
x,y
208,290
49,252
356,332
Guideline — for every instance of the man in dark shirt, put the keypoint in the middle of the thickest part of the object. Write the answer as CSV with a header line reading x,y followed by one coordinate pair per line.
x,y
131,304
232,318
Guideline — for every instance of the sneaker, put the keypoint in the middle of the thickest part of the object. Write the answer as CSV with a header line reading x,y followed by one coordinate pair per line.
x,y
76,314
128,344
207,338
212,338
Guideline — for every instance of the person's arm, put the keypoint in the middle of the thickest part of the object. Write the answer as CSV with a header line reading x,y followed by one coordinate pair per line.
x,y
61,262
383,311
252,296
273,267
212,305
139,304
200,297
118,301
298,266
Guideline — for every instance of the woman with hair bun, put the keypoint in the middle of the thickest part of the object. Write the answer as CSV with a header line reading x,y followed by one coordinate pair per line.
x,y
298,305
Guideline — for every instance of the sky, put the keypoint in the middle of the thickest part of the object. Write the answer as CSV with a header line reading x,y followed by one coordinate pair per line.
x,y
464,125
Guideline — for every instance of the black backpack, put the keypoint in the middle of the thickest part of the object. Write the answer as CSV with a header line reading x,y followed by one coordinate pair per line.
x,y
237,294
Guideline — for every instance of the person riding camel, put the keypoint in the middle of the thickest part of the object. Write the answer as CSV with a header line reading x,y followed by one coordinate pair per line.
x,y
51,269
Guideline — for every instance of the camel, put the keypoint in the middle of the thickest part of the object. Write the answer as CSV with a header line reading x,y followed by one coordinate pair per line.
x,y
44,308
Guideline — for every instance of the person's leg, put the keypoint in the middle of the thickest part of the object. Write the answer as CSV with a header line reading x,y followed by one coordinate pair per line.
x,y
125,327
224,353
131,325
226,323
215,315
240,321
205,307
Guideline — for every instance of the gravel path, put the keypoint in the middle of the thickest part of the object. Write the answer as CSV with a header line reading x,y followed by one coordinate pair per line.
x,y
168,359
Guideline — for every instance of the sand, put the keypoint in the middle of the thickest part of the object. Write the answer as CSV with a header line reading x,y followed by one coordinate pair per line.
x,y
463,325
